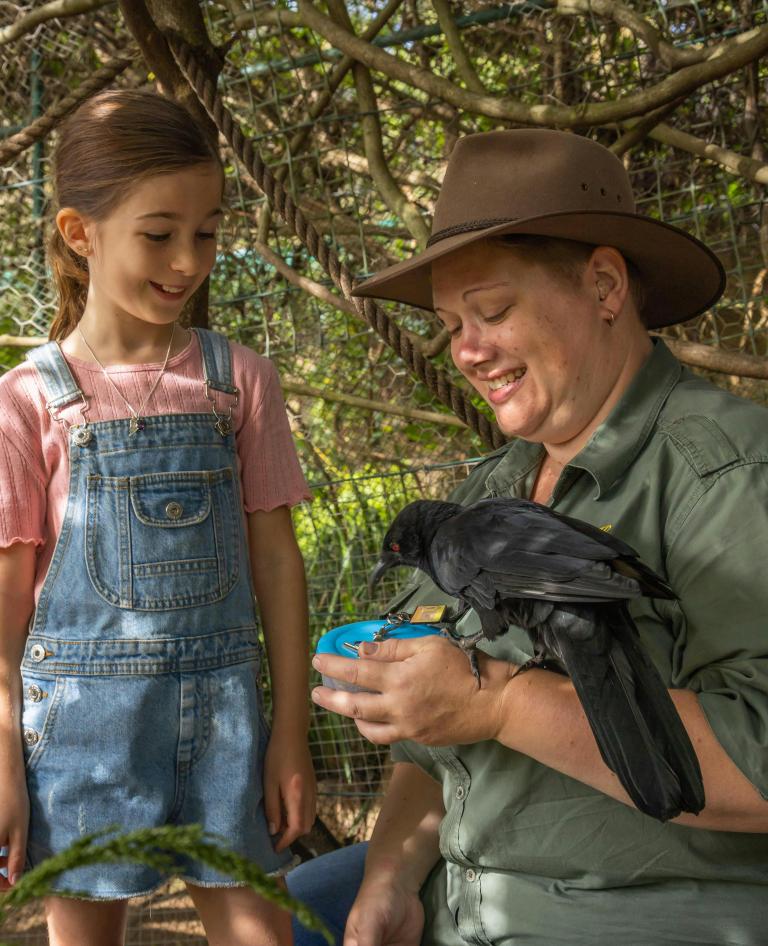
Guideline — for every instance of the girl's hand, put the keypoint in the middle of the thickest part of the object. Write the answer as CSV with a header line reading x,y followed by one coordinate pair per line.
x,y
385,913
14,821
290,792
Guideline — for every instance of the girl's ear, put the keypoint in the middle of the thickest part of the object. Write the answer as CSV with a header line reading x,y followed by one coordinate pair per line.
x,y
74,230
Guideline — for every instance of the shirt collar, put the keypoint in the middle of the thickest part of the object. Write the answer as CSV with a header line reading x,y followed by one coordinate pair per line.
x,y
617,441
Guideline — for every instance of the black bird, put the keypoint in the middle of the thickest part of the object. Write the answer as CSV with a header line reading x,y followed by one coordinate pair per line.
x,y
567,584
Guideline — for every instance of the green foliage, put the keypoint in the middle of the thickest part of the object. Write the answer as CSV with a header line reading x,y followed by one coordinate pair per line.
x,y
159,848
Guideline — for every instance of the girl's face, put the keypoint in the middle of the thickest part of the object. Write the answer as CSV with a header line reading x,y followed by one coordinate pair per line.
x,y
539,352
157,246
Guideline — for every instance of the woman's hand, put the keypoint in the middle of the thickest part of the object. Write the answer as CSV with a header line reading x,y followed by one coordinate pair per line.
x,y
385,913
425,691
14,822
290,792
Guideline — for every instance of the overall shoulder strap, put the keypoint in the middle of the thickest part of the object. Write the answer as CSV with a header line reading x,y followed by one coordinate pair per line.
x,y
217,360
59,385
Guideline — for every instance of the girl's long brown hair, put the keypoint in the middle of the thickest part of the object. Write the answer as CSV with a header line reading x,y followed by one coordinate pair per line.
x,y
111,143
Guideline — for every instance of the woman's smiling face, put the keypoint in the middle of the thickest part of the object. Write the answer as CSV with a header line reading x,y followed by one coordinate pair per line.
x,y
542,352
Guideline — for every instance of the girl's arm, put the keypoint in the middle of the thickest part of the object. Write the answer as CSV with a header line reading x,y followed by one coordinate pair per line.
x,y
403,850
17,579
280,585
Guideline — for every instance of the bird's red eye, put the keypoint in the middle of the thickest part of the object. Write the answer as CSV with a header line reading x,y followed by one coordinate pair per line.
x,y
395,547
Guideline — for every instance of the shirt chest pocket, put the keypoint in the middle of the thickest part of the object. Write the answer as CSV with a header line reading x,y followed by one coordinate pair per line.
x,y
162,540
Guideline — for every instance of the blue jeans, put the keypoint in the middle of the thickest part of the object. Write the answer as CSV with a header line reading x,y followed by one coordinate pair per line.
x,y
328,884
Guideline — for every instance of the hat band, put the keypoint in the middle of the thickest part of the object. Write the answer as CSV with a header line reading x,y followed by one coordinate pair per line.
x,y
467,227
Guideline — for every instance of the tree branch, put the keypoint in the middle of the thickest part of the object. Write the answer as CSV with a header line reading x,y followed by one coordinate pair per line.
x,y
334,81
412,413
736,163
669,55
720,60
57,9
453,37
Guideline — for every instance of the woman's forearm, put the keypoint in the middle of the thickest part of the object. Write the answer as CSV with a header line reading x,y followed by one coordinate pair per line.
x,y
542,717
405,843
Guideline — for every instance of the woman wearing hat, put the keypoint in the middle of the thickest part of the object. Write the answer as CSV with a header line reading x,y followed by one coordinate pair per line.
x,y
502,824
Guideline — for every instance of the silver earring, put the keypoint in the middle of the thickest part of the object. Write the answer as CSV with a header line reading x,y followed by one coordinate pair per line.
x,y
612,315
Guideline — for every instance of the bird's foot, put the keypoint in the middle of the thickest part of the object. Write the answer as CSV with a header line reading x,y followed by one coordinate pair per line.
x,y
536,661
468,643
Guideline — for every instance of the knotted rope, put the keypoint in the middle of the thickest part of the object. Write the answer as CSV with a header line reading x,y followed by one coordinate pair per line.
x,y
436,379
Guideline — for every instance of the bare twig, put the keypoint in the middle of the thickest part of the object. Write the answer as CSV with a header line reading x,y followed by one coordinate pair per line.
x,y
720,60
57,9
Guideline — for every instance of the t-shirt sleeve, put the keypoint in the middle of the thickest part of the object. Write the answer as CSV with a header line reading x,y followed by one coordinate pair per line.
x,y
270,469
22,498
717,567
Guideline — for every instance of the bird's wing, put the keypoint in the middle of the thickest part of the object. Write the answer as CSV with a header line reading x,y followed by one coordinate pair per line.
x,y
511,548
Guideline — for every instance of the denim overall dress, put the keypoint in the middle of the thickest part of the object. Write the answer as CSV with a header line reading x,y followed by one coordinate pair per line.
x,y
141,699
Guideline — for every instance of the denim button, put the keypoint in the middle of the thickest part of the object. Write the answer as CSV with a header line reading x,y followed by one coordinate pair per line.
x,y
174,510
34,693
37,652
31,737
471,875
460,792
82,436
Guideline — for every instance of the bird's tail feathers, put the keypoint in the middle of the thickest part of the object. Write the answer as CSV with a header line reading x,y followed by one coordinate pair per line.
x,y
638,730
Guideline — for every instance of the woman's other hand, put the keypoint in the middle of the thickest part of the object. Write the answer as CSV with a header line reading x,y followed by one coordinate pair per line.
x,y
385,913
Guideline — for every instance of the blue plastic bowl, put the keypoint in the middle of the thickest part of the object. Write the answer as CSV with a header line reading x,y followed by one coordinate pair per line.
x,y
334,640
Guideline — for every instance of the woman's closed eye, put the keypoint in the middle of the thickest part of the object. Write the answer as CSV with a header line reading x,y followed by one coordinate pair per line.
x,y
162,237
499,316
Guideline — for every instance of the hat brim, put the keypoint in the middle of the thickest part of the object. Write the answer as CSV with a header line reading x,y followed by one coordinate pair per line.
x,y
681,276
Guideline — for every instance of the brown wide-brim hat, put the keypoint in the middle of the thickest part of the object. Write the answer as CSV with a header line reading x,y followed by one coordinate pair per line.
x,y
555,184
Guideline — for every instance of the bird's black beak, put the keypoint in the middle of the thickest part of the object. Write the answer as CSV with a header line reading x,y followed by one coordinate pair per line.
x,y
384,564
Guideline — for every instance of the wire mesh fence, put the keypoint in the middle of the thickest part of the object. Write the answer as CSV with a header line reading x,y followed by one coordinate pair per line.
x,y
370,436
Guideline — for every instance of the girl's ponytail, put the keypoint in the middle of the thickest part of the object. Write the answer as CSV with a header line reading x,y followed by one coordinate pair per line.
x,y
114,141
70,275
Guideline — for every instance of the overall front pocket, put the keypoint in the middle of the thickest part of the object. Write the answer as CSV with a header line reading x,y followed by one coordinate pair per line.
x,y
162,540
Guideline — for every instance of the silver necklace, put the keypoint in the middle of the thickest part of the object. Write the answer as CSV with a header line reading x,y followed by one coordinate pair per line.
x,y
137,421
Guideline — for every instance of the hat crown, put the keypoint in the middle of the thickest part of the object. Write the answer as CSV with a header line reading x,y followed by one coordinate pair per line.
x,y
500,176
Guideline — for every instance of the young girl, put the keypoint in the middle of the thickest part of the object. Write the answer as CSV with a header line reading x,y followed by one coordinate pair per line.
x,y
147,473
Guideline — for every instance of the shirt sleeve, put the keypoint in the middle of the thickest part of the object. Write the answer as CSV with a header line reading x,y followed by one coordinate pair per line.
x,y
22,497
717,567
270,470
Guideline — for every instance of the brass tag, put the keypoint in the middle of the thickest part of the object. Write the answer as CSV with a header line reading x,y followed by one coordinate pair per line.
x,y
428,614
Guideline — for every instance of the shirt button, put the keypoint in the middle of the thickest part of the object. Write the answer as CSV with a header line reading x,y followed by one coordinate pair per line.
x,y
471,875
460,792
37,653
34,693
173,510
31,737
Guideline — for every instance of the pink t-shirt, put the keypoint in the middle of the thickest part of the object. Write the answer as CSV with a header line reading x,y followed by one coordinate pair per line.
x,y
34,462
